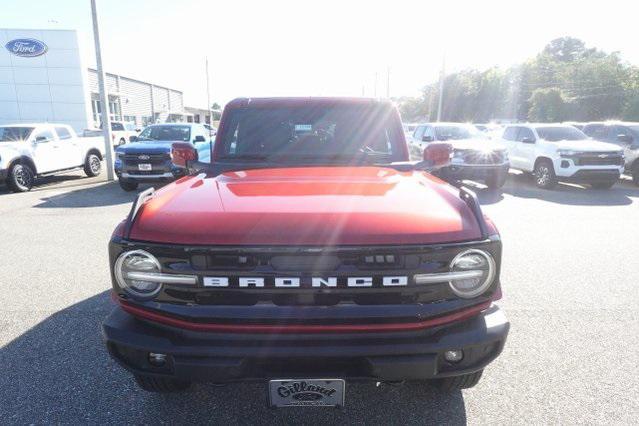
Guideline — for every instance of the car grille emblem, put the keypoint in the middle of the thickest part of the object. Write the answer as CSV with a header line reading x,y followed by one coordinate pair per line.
x,y
143,157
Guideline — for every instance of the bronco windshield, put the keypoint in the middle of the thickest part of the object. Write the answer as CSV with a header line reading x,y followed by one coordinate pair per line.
x,y
556,134
13,134
166,133
312,133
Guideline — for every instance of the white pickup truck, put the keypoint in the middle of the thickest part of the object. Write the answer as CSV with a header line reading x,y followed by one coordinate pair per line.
x,y
31,150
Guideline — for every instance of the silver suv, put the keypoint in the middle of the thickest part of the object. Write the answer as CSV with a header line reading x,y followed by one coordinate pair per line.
x,y
624,134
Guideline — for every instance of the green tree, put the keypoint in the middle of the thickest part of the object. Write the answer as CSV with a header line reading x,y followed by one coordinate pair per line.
x,y
547,105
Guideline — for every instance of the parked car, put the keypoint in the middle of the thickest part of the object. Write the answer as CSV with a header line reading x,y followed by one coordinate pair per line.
x,y
624,135
121,132
307,253
575,124
409,128
475,157
28,151
149,157
212,130
554,152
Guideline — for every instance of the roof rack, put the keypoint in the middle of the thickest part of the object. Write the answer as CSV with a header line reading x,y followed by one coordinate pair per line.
x,y
143,197
470,198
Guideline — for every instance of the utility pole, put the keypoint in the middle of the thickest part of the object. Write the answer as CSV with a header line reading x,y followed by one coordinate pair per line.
x,y
104,96
208,94
441,89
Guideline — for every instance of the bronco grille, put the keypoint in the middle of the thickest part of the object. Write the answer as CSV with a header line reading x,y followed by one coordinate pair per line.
x,y
309,276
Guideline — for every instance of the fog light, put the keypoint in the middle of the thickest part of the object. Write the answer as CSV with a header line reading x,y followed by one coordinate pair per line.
x,y
454,356
157,360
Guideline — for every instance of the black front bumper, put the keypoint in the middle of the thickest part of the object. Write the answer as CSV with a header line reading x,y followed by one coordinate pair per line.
x,y
596,175
3,175
231,357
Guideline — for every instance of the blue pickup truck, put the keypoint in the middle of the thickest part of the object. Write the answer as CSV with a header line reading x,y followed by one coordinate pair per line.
x,y
149,156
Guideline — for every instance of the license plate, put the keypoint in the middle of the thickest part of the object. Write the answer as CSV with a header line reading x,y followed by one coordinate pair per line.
x,y
306,393
145,167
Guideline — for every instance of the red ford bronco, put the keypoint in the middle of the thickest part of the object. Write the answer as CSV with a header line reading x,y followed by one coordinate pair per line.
x,y
310,251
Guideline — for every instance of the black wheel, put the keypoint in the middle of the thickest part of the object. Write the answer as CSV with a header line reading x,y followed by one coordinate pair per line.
x,y
128,185
450,384
92,165
603,185
544,175
21,178
160,384
635,175
496,180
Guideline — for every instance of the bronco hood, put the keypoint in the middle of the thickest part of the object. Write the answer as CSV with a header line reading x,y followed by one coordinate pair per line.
x,y
321,206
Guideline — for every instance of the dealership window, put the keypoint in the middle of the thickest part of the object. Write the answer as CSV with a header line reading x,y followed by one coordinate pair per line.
x,y
196,117
114,109
130,118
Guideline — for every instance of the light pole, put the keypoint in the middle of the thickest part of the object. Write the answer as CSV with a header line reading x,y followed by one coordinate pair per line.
x,y
208,94
441,89
104,96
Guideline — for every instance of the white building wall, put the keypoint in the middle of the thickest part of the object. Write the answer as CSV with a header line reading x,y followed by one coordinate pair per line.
x,y
50,87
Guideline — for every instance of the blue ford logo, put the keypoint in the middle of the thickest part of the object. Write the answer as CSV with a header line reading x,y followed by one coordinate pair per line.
x,y
26,47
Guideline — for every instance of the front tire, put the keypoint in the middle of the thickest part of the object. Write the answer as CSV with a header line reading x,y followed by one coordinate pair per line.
x,y
544,175
466,381
496,180
21,178
92,165
160,384
128,185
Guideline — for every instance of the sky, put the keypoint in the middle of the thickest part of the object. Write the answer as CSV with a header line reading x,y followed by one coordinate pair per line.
x,y
321,47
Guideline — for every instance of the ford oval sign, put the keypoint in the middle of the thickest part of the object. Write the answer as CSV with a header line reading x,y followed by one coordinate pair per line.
x,y
26,47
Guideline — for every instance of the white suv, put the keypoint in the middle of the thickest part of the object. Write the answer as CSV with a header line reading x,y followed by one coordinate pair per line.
x,y
555,152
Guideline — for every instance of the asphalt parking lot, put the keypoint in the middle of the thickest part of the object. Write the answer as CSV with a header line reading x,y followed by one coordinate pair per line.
x,y
571,262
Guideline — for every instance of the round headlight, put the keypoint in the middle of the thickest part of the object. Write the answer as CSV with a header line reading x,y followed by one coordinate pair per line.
x,y
475,273
137,261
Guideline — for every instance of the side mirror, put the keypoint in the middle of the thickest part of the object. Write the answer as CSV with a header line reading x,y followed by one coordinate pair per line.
x,y
183,153
624,138
133,138
437,155
199,138
427,138
527,139
41,139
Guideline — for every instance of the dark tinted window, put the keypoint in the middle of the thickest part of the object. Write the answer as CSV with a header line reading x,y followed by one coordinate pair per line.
x,y
63,133
314,132
525,133
510,134
12,134
117,126
596,131
622,131
556,134
45,135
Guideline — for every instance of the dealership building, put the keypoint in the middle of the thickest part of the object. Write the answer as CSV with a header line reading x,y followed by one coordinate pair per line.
x,y
44,78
